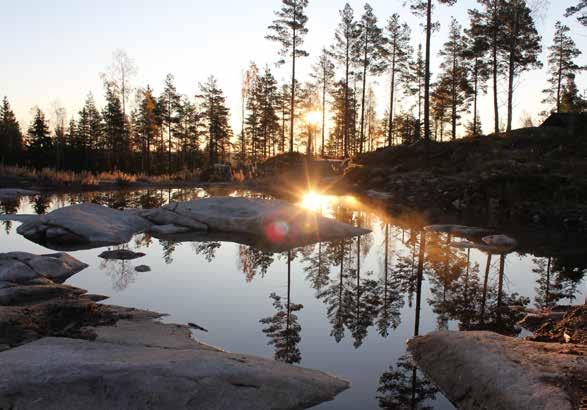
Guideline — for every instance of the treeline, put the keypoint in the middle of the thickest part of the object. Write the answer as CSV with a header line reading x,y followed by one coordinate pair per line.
x,y
332,114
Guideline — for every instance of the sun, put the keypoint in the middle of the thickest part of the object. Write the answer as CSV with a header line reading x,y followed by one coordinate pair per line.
x,y
312,201
313,117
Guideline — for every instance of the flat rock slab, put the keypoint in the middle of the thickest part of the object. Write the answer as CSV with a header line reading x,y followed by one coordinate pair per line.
x,y
485,370
60,373
21,267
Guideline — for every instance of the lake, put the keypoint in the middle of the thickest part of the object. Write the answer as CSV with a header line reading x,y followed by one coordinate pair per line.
x,y
349,305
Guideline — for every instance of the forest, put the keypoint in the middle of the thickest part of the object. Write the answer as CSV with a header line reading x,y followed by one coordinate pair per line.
x,y
332,114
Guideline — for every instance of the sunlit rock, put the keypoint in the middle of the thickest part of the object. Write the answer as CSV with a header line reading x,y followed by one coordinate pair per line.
x,y
277,221
165,217
28,294
485,370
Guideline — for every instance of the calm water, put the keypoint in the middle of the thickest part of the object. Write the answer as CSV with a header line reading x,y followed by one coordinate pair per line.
x,y
353,303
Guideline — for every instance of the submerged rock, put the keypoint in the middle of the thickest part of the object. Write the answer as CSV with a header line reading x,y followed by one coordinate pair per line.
x,y
485,370
121,254
500,240
143,268
149,365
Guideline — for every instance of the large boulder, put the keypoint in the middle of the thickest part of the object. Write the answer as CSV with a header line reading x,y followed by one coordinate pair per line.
x,y
81,223
22,267
275,220
134,368
485,370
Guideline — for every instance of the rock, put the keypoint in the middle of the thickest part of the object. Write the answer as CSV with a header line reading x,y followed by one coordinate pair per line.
x,y
121,254
142,268
10,194
83,223
169,229
272,221
500,240
481,246
118,371
163,217
23,267
458,230
27,294
275,220
484,370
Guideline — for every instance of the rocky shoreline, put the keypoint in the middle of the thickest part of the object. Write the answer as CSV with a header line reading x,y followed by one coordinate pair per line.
x,y
60,349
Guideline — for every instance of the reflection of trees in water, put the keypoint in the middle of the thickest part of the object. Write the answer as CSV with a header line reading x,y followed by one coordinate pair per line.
x,y
317,267
41,204
252,261
206,249
389,286
9,207
283,328
121,272
403,386
168,250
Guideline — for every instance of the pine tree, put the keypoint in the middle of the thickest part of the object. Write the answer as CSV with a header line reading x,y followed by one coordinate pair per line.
x,y
424,7
343,51
571,101
169,103
454,73
397,52
215,114
479,71
11,139
521,46
39,142
561,64
147,127
115,130
370,56
323,74
289,29
487,26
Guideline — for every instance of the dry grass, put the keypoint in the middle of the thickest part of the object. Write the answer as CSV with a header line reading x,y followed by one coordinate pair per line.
x,y
49,176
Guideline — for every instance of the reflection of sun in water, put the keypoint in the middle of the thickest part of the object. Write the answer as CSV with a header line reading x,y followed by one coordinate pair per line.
x,y
312,200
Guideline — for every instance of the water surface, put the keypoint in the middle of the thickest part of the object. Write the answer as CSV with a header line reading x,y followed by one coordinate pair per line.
x,y
345,307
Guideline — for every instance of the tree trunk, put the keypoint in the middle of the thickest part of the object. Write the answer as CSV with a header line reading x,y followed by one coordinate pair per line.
x,y
365,63
391,98
427,73
293,92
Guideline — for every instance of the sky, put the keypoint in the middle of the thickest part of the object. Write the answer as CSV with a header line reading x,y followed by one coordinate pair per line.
x,y
53,51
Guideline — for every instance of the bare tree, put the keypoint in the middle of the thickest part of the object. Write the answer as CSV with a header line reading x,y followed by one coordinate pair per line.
x,y
119,76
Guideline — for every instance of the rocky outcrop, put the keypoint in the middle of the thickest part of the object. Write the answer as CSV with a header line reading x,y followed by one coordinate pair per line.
x,y
276,222
61,350
485,370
